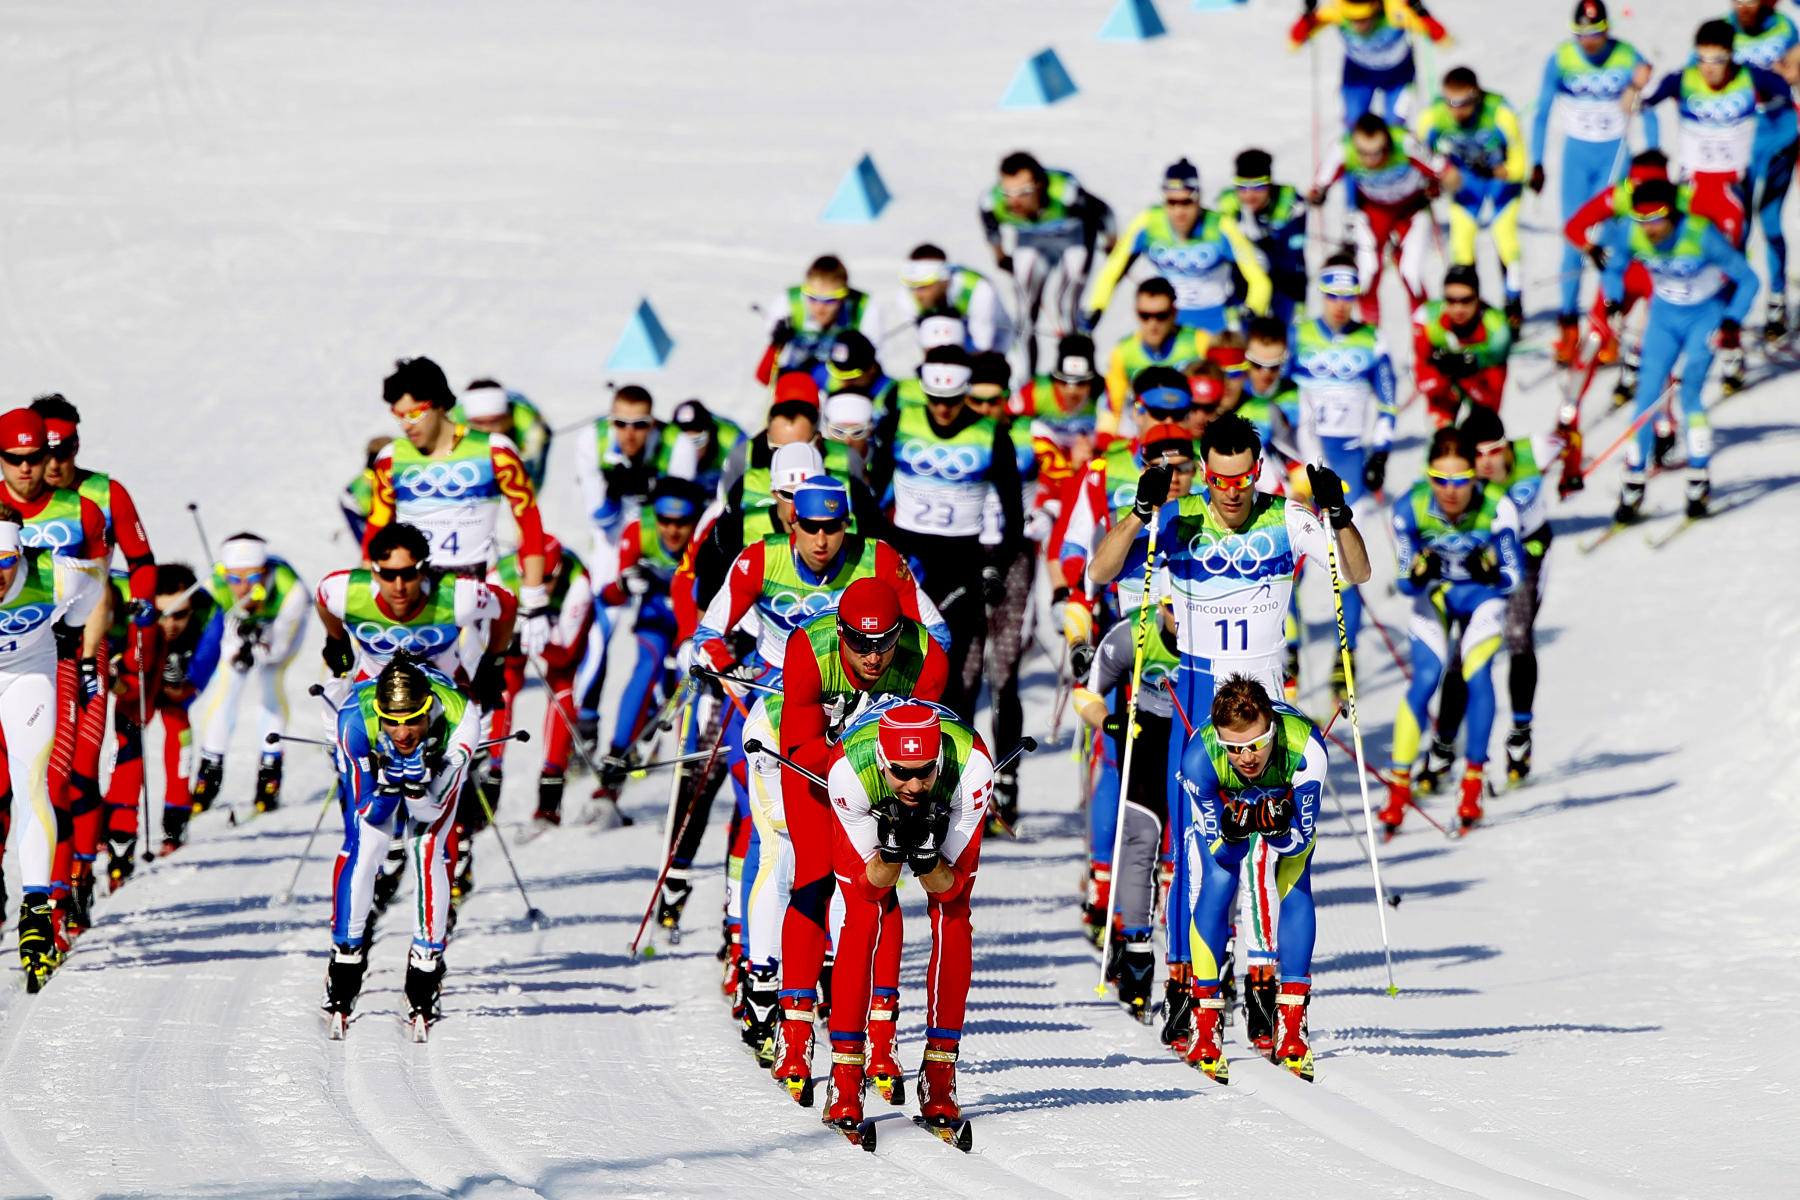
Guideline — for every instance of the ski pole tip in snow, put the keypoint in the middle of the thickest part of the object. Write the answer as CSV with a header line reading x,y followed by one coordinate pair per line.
x,y
1393,989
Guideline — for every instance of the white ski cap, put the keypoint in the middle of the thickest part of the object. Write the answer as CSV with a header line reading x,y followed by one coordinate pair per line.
x,y
243,552
941,330
484,402
9,537
848,415
792,464
945,379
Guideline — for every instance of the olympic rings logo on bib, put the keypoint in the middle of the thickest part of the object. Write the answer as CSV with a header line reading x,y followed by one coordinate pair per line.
x,y
952,464
1598,84
443,481
1720,110
424,640
1339,362
1242,554
25,618
51,535
795,610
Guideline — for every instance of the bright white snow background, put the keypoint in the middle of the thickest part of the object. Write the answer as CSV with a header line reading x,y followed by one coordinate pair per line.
x,y
221,224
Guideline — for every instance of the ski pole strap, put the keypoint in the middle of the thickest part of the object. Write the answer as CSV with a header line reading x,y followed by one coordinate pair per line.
x,y
753,746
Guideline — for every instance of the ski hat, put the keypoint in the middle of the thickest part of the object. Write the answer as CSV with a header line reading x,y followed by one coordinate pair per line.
x,y
1589,18
691,416
481,403
9,537
1465,274
677,499
1360,10
1651,200
1229,358
821,498
851,353
243,552
22,429
1181,176
1206,390
1163,389
1164,437
792,464
928,265
848,415
870,609
1254,168
1483,427
945,373
402,691
1340,280
797,385
908,733
991,367
1074,359
942,328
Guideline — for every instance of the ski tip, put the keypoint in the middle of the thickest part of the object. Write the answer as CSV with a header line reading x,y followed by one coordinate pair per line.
x,y
421,1030
964,1138
865,1136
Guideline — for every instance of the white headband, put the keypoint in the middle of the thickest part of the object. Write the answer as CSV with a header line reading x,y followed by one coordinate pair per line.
x,y
922,272
241,554
945,379
941,331
9,538
484,402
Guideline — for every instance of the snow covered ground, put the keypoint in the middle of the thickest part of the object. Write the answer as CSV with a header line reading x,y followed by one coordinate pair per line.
x,y
222,222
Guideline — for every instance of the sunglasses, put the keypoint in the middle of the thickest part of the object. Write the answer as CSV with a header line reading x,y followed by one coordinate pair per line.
x,y
1459,479
8,561
29,459
1465,102
633,422
1712,59
824,297
1019,193
1233,370
246,575
413,416
168,614
905,774
1234,482
1257,364
63,452
1255,743
1161,314
1466,298
810,526
1184,466
1181,201
398,574
1251,185
869,643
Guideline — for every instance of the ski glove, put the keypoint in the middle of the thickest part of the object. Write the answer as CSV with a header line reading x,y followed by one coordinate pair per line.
x,y
1040,523
1152,491
890,841
1081,659
488,687
782,334
1597,255
1425,568
245,658
1273,815
1484,567
534,619
1375,470
338,655
635,581
1537,178
1328,494
993,586
90,680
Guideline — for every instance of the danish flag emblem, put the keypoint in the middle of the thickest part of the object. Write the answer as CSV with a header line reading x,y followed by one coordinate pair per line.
x,y
870,624
910,745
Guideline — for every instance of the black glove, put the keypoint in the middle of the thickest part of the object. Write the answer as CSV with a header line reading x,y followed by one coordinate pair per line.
x,y
68,640
1729,332
993,586
1237,820
1454,364
1114,725
245,657
1081,660
1597,255
1152,491
1316,197
1309,7
1536,183
1375,470
635,580
1483,567
1425,568
894,839
782,334
488,687
90,680
1273,815
1481,169
1328,494
1005,263
338,655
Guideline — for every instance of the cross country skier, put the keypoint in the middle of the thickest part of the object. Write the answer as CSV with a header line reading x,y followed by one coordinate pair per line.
x,y
488,406
1459,560
265,606
909,790
1204,255
1064,410
1460,349
358,496
1272,216
1703,289
1768,39
702,443
933,283
804,320
1480,156
1042,224
1390,194
1378,53
1596,78
1159,340
404,743
1256,769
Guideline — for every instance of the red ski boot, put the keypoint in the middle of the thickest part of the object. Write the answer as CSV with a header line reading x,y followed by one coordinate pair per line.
x,y
1473,785
1204,1050
938,1110
1399,796
1093,908
884,1069
1568,339
844,1107
1292,1049
793,1069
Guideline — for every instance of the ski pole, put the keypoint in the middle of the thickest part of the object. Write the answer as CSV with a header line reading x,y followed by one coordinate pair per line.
x,y
676,761
1131,734
287,897
532,913
517,735
675,840
1630,431
1062,694
194,511
708,672
753,746
1386,638
1362,777
1179,711
574,736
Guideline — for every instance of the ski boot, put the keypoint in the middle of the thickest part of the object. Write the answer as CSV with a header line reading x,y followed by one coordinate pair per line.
x,y
1099,896
1399,796
1515,314
268,783
424,978
936,1085
1137,971
1631,498
1293,1050
1004,815
549,805
37,948
81,896
1518,752
1439,759
604,809
1290,672
762,1009
1178,1000
121,860
1662,438
1626,386
844,1097
1568,339
675,892
1340,684
731,953
794,1068
883,1069
462,866
1259,1008
1775,324
1699,492
60,936
1731,366
387,880
175,823
824,1006
343,983
206,785
1203,1050
1474,782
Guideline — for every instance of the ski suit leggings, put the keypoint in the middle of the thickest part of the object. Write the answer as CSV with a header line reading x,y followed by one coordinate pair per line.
x,y
1378,233
1587,168
700,726
1675,332
26,698
1521,648
1008,633
766,891
1049,270
1433,619
128,767
1212,872
1771,174
865,940
654,631
559,715
1390,97
359,862
221,710
591,674
1154,761
1501,202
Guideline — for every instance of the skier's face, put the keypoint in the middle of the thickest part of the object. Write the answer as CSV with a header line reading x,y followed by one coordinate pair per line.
x,y
1464,104
1183,208
1452,484
929,295
499,424
24,472
1749,14
818,541
1715,64
674,535
400,582
12,559
1491,461
1021,192
1339,310
1249,747
420,422
1593,44
868,667
1231,500
631,424
1265,361
59,468
911,791
173,611
1371,148
406,735
1254,199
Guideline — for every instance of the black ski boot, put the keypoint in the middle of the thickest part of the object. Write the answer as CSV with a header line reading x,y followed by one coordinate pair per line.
x,y
1631,498
675,891
1699,492
121,861
175,823
268,783
1439,759
823,1008
206,785
343,979
462,870
81,897
1178,1008
1518,752
1515,314
550,796
1137,973
424,977
1626,387
37,942
1775,324
1228,986
1004,816
762,1012
1259,1008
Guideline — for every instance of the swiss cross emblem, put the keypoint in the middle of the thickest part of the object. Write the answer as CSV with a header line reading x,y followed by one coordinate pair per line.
x,y
910,746
870,624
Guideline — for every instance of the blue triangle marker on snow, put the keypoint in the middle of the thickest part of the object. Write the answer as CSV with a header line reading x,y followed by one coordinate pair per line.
x,y
860,197
1217,5
644,346
1041,80
1133,21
